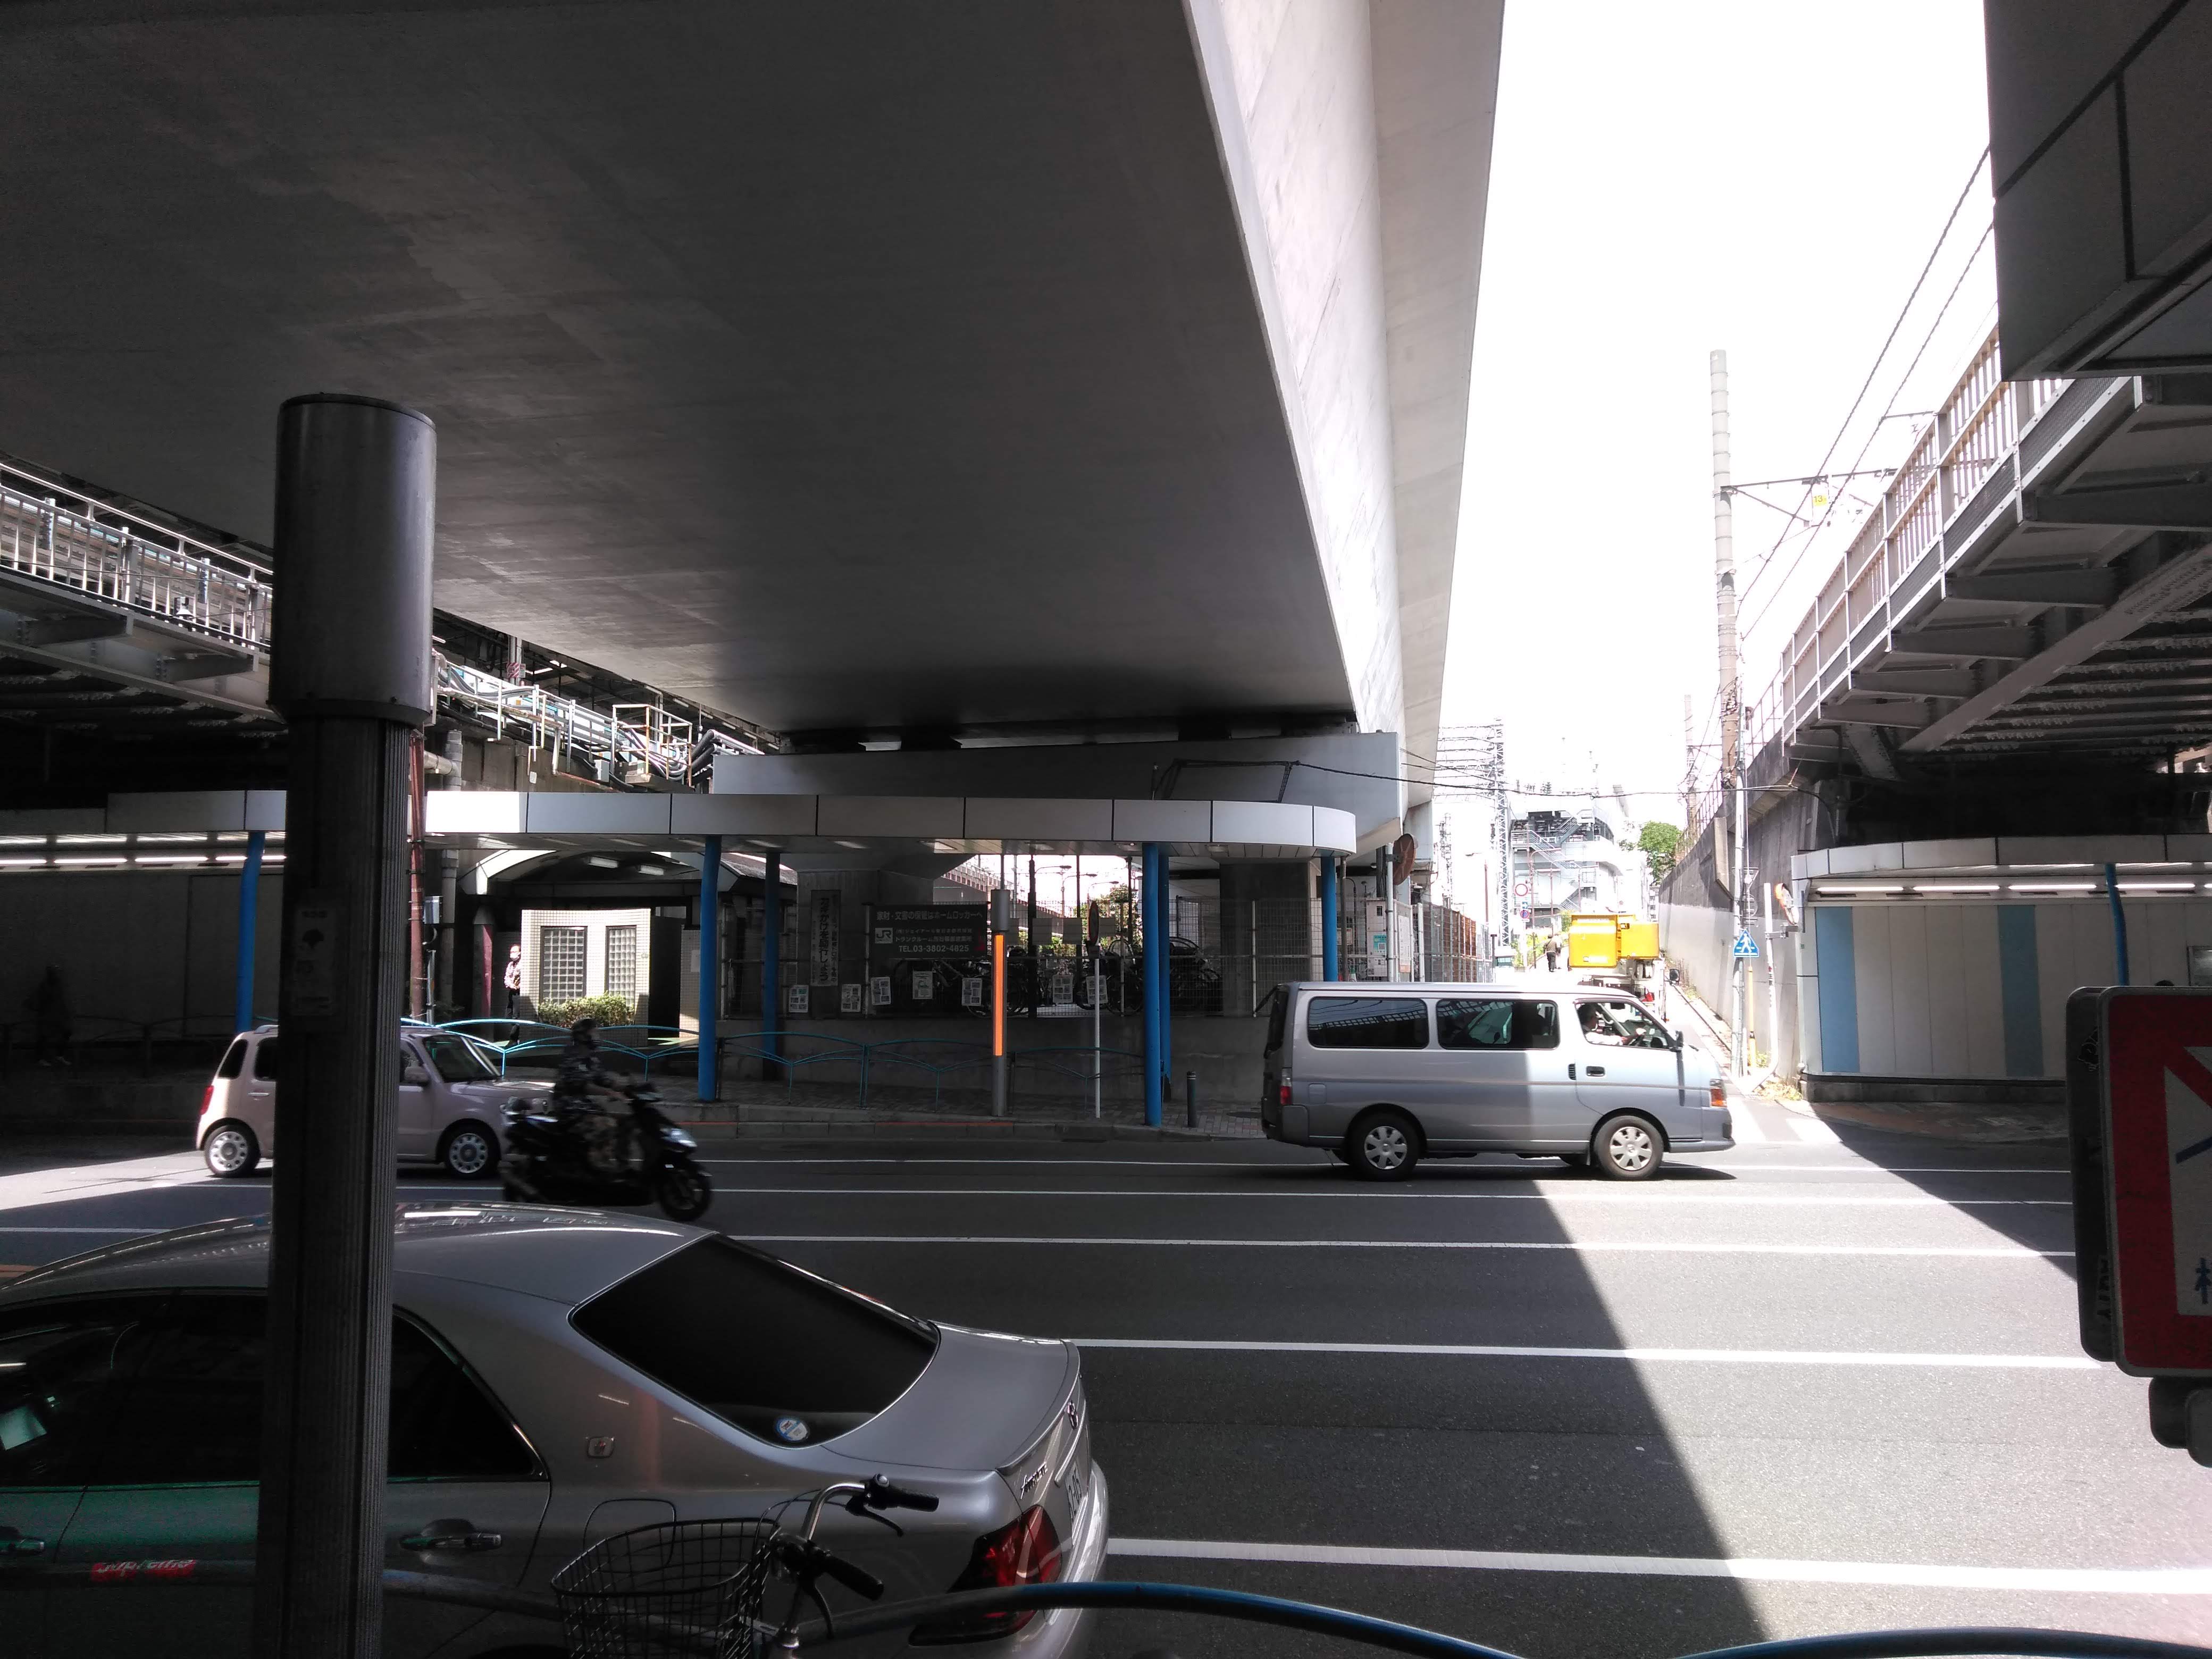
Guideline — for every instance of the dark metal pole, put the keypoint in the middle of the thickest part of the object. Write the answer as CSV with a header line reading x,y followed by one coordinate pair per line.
x,y
710,967
771,960
1190,1100
356,484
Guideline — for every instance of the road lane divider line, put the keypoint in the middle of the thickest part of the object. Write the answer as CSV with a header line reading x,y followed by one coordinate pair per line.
x,y
1813,1133
1487,1172
2090,1581
1980,1361
1672,1196
1995,1252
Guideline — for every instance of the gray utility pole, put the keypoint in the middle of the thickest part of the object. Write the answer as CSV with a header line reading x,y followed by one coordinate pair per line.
x,y
1731,654
356,498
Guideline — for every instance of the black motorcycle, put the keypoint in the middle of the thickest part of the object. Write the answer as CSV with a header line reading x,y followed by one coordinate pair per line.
x,y
549,1163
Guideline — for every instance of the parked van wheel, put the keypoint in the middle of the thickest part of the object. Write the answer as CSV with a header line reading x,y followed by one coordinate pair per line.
x,y
231,1150
1628,1148
469,1150
1383,1146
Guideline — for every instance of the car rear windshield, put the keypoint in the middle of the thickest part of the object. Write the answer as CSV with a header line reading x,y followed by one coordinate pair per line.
x,y
1279,1004
234,1058
768,1348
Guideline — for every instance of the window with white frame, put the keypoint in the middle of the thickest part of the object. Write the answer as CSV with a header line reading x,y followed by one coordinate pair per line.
x,y
621,963
560,963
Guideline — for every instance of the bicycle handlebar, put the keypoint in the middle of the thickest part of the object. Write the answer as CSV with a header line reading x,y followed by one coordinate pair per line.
x,y
881,1494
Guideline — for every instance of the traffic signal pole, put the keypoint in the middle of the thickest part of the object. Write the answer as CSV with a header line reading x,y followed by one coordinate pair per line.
x,y
351,673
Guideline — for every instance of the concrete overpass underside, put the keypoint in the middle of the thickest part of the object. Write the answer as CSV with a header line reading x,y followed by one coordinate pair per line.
x,y
862,370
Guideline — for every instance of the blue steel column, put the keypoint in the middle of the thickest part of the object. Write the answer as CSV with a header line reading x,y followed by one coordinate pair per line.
x,y
2119,925
772,955
249,900
1154,1020
1166,914
710,965
1329,916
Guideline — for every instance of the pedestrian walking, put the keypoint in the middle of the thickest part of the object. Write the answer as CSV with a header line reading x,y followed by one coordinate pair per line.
x,y
513,980
1551,956
48,1005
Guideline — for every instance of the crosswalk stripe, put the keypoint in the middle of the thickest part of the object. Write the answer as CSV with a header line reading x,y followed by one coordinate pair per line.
x,y
1814,1133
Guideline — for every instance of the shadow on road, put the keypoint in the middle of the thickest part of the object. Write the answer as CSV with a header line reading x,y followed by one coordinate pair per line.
x,y
2032,1209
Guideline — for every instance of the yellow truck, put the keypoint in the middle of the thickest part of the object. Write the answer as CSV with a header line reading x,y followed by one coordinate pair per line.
x,y
1622,949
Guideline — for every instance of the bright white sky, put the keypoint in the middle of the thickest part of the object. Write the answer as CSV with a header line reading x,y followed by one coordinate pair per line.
x,y
1764,177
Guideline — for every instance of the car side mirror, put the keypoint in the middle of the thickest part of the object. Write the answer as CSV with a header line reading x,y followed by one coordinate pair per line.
x,y
413,1077
1674,1035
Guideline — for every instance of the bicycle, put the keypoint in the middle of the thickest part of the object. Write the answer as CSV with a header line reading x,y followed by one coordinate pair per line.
x,y
695,1587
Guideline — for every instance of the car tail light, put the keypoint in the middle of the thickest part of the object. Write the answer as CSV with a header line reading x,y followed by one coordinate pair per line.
x,y
1025,1551
1282,1095
207,1100
1719,1096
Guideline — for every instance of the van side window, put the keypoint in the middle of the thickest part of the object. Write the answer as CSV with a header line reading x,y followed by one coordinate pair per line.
x,y
1497,1022
1367,1023
234,1058
264,1058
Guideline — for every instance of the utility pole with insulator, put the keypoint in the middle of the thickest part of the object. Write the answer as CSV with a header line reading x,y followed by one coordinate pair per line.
x,y
1731,655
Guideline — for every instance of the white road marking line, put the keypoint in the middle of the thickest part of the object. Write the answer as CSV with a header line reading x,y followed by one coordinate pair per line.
x,y
1813,1133
2093,1581
2006,1252
1676,1194
1855,1166
1748,1130
2000,1361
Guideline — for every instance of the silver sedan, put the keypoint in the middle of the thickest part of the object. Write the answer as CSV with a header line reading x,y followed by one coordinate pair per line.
x,y
558,1376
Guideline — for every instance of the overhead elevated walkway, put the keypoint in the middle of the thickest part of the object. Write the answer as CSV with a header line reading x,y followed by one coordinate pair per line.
x,y
137,620
2031,582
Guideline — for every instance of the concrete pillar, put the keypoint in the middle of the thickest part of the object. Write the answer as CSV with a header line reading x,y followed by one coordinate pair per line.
x,y
1329,916
771,953
249,905
355,482
710,966
1154,979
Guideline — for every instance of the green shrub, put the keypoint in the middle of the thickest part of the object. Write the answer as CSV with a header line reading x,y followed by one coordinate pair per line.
x,y
608,1011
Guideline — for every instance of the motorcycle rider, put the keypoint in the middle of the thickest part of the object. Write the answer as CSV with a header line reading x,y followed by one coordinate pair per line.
x,y
584,1090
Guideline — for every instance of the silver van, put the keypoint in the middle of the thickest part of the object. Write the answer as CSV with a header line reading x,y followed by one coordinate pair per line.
x,y
450,1097
1384,1075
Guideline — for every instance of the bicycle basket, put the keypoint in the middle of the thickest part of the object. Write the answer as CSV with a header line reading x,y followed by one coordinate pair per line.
x,y
687,1589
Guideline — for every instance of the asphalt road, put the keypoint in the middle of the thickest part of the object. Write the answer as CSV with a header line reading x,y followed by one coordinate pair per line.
x,y
1806,1386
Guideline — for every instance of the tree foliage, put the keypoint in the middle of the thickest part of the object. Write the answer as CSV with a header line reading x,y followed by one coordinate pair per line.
x,y
1662,843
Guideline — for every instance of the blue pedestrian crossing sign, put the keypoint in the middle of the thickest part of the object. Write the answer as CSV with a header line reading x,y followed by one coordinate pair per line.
x,y
1745,946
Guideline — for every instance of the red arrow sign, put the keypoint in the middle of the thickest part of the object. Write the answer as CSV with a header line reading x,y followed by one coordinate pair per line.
x,y
2158,1137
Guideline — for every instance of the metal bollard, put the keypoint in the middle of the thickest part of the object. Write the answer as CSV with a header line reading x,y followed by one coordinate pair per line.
x,y
1190,1100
